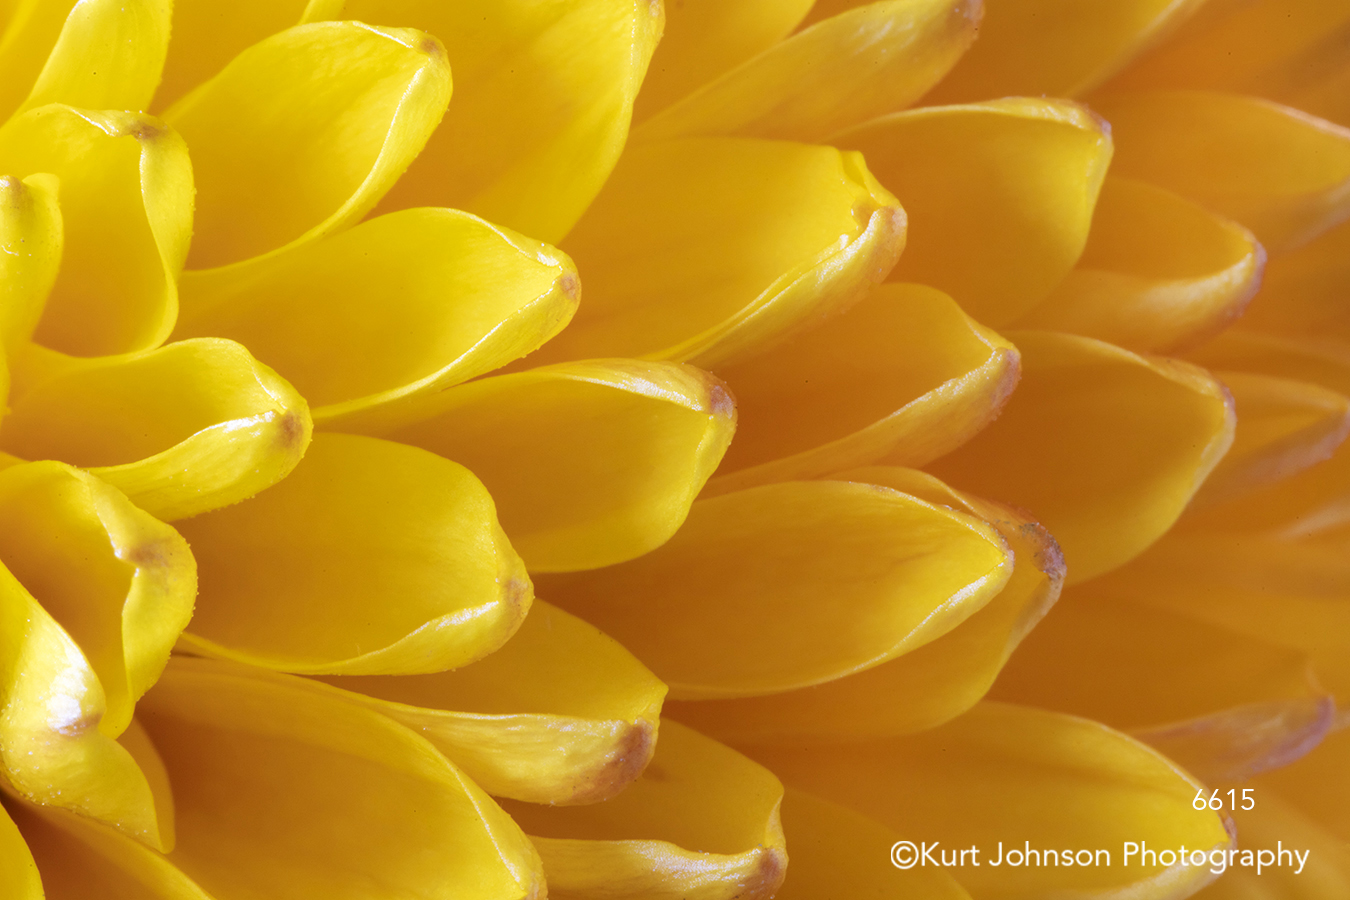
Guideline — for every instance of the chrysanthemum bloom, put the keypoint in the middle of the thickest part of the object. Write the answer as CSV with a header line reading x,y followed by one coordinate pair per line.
x,y
811,609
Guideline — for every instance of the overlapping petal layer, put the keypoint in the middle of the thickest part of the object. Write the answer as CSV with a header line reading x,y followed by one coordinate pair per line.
x,y
904,377
81,859
1016,775
125,198
928,685
1106,446
1056,47
542,104
406,304
189,427
590,463
750,596
561,714
1304,290
52,750
119,582
701,823
301,134
371,558
18,872
706,250
870,59
1158,273
1282,173
1006,191
284,790
835,849
31,240
1222,704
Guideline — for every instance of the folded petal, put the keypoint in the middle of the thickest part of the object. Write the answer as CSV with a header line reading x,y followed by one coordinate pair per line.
x,y
706,250
1103,446
189,427
301,134
1282,173
18,873
835,849
1005,189
1224,705
904,376
543,99
79,858
370,558
701,823
705,38
52,750
1158,273
1304,290
927,686
108,56
402,305
30,253
125,196
204,40
1022,777
1062,48
120,582
590,463
867,61
286,791
562,714
750,596
1284,426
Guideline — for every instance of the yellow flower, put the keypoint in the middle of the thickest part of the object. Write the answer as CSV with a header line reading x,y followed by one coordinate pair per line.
x,y
370,701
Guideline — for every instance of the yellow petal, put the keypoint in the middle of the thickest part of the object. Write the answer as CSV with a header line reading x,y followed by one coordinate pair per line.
x,y
301,134
79,858
1223,705
1057,47
1304,290
1322,871
1284,586
119,581
52,750
1282,173
836,851
561,714
30,253
700,824
278,783
1158,273
1103,446
402,305
589,463
108,56
705,38
870,60
1284,426
1022,777
189,427
926,686
126,207
18,873
370,558
1005,189
904,377
1316,784
542,104
746,598
704,250
1271,49
205,39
